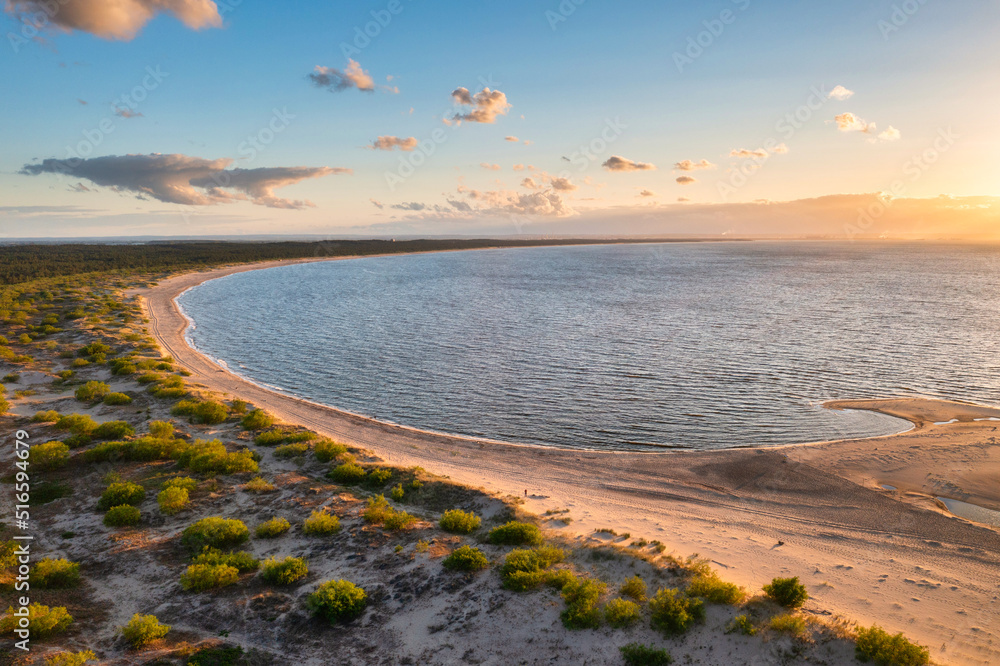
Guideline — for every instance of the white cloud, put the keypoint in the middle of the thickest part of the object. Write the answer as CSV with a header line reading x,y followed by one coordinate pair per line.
x,y
689,165
840,93
352,76
486,105
115,19
390,142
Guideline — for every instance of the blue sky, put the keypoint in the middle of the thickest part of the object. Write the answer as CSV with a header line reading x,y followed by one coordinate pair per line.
x,y
563,79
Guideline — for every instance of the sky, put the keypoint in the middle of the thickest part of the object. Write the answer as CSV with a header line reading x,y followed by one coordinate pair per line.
x,y
402,117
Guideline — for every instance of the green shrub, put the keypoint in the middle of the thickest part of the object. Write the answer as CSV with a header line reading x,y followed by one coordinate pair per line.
x,y
714,590
201,577
516,534
161,429
398,520
49,455
237,406
621,613
172,500
636,654
379,512
348,473
258,485
117,399
11,378
300,436
124,492
674,613
241,560
291,450
71,658
212,457
272,528
741,624
183,408
94,349
321,523
92,391
271,437
326,450
144,449
78,424
457,521
124,515
54,574
524,569
142,630
466,558
210,413
184,482
787,592
788,623
284,572
44,620
634,588
50,416
397,493
122,366
4,405
113,430
148,378
338,601
257,419
378,477
581,596
877,645
215,533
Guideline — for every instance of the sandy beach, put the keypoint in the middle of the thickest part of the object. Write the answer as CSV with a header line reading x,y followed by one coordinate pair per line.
x,y
867,553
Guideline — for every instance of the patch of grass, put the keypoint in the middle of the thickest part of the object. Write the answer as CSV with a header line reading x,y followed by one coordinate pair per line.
x,y
378,477
142,630
466,558
184,482
49,416
172,500
525,569
457,521
790,624
92,391
787,592
161,429
226,655
321,523
241,560
284,572
272,528
45,492
124,515
117,399
212,457
257,419
397,493
636,654
238,407
621,613
674,613
214,532
201,577
50,455
71,658
581,596
516,534
122,492
326,450
713,589
291,450
338,601
741,624
258,485
45,620
77,424
378,512
634,588
878,645
113,430
54,574
348,474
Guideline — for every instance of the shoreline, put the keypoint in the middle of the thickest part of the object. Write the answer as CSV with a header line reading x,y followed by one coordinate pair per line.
x,y
732,505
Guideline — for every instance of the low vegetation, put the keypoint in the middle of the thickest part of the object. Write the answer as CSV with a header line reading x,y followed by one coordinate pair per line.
x,y
201,577
47,456
326,450
673,613
348,473
788,623
321,523
466,558
525,569
119,493
621,613
515,534
581,596
636,654
338,601
45,621
214,533
875,644
172,500
53,574
122,516
787,592
713,589
284,572
241,560
457,521
272,528
257,419
142,630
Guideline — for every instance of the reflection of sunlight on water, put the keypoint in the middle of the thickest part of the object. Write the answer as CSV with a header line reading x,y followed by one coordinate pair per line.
x,y
973,512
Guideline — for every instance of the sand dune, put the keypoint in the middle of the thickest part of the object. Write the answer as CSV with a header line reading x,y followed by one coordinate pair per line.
x,y
869,554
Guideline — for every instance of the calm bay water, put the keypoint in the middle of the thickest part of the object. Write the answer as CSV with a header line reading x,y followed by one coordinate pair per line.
x,y
707,345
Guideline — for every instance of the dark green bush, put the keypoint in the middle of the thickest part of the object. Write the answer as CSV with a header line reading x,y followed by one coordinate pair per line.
x,y
457,521
674,613
524,569
124,492
113,430
210,413
348,473
117,399
291,450
50,455
787,592
326,450
284,572
257,419
214,533
885,649
378,477
78,424
466,558
92,391
125,515
621,613
516,534
636,654
53,574
711,588
634,588
212,457
338,601
581,598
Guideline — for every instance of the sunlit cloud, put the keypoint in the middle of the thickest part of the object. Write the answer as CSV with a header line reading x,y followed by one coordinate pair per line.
x,y
391,142
618,163
647,193
744,154
352,76
181,179
485,105
848,122
490,167
689,165
840,93
891,134
511,139
686,180
116,19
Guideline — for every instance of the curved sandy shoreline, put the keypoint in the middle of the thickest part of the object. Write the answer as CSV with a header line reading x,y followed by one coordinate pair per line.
x,y
864,553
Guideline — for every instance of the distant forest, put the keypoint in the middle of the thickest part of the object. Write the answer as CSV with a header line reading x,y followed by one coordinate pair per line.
x,y
21,263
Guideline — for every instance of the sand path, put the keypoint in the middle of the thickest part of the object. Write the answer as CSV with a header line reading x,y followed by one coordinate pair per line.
x,y
868,554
